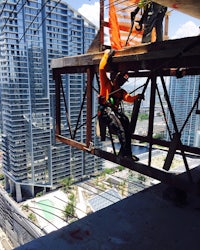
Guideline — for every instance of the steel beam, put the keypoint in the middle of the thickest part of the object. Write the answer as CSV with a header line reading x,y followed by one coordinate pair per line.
x,y
170,178
90,77
57,79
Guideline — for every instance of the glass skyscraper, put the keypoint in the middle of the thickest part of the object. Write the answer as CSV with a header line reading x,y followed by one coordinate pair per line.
x,y
183,93
32,32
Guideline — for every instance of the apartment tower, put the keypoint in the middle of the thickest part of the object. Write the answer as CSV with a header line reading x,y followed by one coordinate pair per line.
x,y
183,93
32,32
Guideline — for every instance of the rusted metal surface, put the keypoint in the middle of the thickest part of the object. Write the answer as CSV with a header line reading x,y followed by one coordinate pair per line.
x,y
169,178
90,76
169,54
189,7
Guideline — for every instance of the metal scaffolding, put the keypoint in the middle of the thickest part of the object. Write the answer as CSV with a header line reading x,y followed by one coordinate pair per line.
x,y
153,61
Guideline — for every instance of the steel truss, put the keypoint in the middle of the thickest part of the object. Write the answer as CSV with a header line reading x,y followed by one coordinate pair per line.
x,y
153,61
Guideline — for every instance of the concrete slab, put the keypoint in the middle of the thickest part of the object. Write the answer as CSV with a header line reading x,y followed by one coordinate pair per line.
x,y
143,221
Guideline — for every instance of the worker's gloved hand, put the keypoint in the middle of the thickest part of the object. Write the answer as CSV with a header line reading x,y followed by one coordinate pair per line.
x,y
141,97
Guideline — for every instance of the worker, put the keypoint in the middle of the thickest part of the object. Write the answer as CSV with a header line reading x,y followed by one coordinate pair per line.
x,y
153,16
110,110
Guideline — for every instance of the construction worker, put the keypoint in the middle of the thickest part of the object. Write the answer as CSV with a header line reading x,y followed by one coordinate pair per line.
x,y
153,16
110,111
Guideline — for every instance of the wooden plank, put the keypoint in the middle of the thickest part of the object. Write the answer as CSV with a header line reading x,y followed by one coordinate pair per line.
x,y
183,52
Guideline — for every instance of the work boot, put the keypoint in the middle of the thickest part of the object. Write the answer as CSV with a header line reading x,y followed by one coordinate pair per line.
x,y
131,157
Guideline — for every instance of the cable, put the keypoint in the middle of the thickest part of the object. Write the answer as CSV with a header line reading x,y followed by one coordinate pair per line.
x,y
47,15
9,214
42,217
100,194
133,182
10,14
20,8
66,109
102,190
29,221
72,215
80,111
3,7
137,88
127,180
47,210
115,3
128,7
164,114
61,209
38,12
71,204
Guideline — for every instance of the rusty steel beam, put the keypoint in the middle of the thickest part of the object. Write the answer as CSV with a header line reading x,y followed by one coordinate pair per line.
x,y
71,142
57,79
169,54
170,178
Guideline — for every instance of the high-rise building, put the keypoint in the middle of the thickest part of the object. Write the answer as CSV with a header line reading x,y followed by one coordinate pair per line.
x,y
32,32
183,93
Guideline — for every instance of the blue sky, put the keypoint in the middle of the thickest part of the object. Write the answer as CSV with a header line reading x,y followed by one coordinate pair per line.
x,y
78,3
180,25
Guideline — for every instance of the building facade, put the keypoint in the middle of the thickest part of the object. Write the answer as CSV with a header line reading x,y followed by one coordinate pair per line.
x,y
31,34
183,93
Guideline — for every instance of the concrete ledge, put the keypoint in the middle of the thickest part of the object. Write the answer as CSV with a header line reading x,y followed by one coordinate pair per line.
x,y
143,221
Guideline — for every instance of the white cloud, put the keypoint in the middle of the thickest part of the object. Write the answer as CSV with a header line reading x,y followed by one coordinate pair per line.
x,y
186,30
91,12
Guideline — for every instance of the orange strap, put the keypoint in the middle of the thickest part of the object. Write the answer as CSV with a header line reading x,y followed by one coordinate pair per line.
x,y
120,24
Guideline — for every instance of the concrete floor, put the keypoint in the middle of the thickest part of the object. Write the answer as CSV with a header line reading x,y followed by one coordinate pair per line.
x,y
144,221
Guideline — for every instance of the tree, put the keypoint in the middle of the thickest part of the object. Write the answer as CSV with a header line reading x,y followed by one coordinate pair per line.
x,y
143,116
141,177
158,136
32,217
25,207
120,168
69,210
66,183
